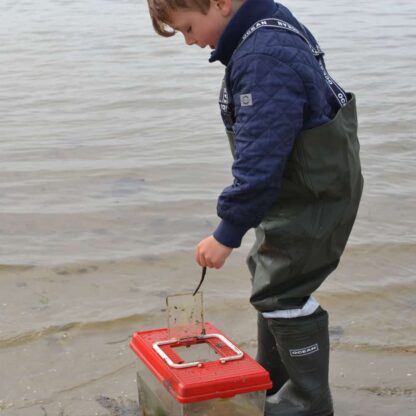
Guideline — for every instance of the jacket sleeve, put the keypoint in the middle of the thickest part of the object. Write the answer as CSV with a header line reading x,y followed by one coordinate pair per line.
x,y
269,100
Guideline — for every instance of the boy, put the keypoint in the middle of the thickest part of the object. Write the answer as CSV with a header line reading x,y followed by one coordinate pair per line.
x,y
297,180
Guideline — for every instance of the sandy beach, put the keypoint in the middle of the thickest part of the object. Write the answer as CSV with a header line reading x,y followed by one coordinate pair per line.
x,y
88,369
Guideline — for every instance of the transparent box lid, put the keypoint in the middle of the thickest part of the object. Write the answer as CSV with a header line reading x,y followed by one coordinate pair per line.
x,y
185,315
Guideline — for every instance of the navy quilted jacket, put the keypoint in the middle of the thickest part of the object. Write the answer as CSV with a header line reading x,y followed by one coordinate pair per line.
x,y
288,93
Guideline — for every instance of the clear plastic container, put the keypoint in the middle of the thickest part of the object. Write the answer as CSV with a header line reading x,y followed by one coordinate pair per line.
x,y
206,375
155,400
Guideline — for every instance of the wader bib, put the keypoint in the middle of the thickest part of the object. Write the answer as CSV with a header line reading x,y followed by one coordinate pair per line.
x,y
300,240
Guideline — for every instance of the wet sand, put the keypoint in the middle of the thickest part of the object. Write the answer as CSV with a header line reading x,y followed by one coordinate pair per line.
x,y
73,366
382,389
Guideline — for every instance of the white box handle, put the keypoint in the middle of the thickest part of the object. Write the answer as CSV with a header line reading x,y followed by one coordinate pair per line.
x,y
238,353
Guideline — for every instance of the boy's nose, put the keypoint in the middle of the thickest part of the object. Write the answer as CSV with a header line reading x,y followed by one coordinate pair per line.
x,y
189,40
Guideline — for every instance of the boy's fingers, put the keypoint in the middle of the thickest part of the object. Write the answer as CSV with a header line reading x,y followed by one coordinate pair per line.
x,y
219,264
201,260
209,255
207,262
197,256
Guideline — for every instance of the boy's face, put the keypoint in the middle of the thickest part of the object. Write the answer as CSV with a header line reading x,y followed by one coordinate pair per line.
x,y
202,29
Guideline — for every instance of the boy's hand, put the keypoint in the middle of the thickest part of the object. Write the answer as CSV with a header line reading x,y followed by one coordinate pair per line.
x,y
210,253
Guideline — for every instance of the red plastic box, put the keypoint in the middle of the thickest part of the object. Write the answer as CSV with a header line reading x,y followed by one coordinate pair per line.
x,y
206,375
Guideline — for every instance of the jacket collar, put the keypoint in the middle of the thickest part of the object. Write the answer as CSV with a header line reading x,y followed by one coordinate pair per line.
x,y
249,13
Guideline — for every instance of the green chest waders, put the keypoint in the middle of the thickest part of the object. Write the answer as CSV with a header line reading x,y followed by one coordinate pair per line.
x,y
301,239
298,244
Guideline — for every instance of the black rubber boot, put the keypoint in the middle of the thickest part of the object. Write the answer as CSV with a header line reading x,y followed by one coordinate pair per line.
x,y
268,355
303,345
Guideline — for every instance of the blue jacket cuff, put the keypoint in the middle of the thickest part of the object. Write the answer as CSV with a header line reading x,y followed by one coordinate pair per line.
x,y
230,234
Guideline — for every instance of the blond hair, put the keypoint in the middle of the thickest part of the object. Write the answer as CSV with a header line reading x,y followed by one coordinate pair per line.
x,y
161,9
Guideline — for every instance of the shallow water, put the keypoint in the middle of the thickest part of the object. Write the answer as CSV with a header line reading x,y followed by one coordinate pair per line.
x,y
112,155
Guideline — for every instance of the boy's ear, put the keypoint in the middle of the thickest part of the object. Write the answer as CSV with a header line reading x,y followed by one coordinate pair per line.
x,y
224,6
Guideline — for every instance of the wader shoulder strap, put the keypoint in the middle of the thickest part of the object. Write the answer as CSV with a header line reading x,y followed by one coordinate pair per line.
x,y
315,49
